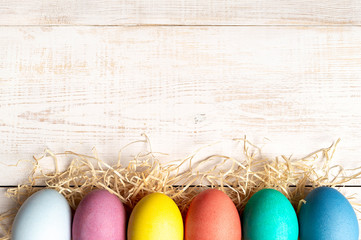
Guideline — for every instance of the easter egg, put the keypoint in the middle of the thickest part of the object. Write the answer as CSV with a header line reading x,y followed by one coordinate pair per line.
x,y
269,215
155,217
100,215
327,215
44,215
212,215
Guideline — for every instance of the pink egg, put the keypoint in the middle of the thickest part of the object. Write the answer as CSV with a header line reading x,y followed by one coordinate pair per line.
x,y
100,215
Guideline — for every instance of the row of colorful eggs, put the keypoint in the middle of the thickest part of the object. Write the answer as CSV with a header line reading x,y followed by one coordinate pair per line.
x,y
212,215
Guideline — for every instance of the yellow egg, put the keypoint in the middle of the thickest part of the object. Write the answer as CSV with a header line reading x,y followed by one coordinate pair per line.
x,y
155,217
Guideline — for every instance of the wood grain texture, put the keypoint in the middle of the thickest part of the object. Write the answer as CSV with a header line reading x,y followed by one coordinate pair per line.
x,y
81,74
182,12
72,88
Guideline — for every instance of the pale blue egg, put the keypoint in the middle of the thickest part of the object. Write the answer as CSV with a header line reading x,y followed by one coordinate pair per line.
x,y
45,215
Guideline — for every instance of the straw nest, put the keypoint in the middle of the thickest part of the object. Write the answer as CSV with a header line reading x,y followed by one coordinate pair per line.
x,y
182,179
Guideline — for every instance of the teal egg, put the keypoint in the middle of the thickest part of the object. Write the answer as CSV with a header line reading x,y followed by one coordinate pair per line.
x,y
269,215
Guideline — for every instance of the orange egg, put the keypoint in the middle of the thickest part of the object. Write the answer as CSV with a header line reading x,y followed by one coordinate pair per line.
x,y
212,215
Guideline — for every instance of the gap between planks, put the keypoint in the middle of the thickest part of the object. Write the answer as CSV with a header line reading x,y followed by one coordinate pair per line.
x,y
187,26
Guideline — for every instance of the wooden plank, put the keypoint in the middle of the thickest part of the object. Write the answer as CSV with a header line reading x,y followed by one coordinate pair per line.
x,y
7,204
73,88
183,12
350,192
7,207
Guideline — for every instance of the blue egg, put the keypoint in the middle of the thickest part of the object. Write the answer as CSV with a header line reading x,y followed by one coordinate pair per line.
x,y
327,215
44,215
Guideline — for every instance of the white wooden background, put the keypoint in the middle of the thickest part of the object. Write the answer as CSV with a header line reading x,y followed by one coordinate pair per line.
x,y
79,74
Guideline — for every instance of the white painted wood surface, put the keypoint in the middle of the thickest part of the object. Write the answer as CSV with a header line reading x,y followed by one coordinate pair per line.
x,y
180,12
81,74
80,87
